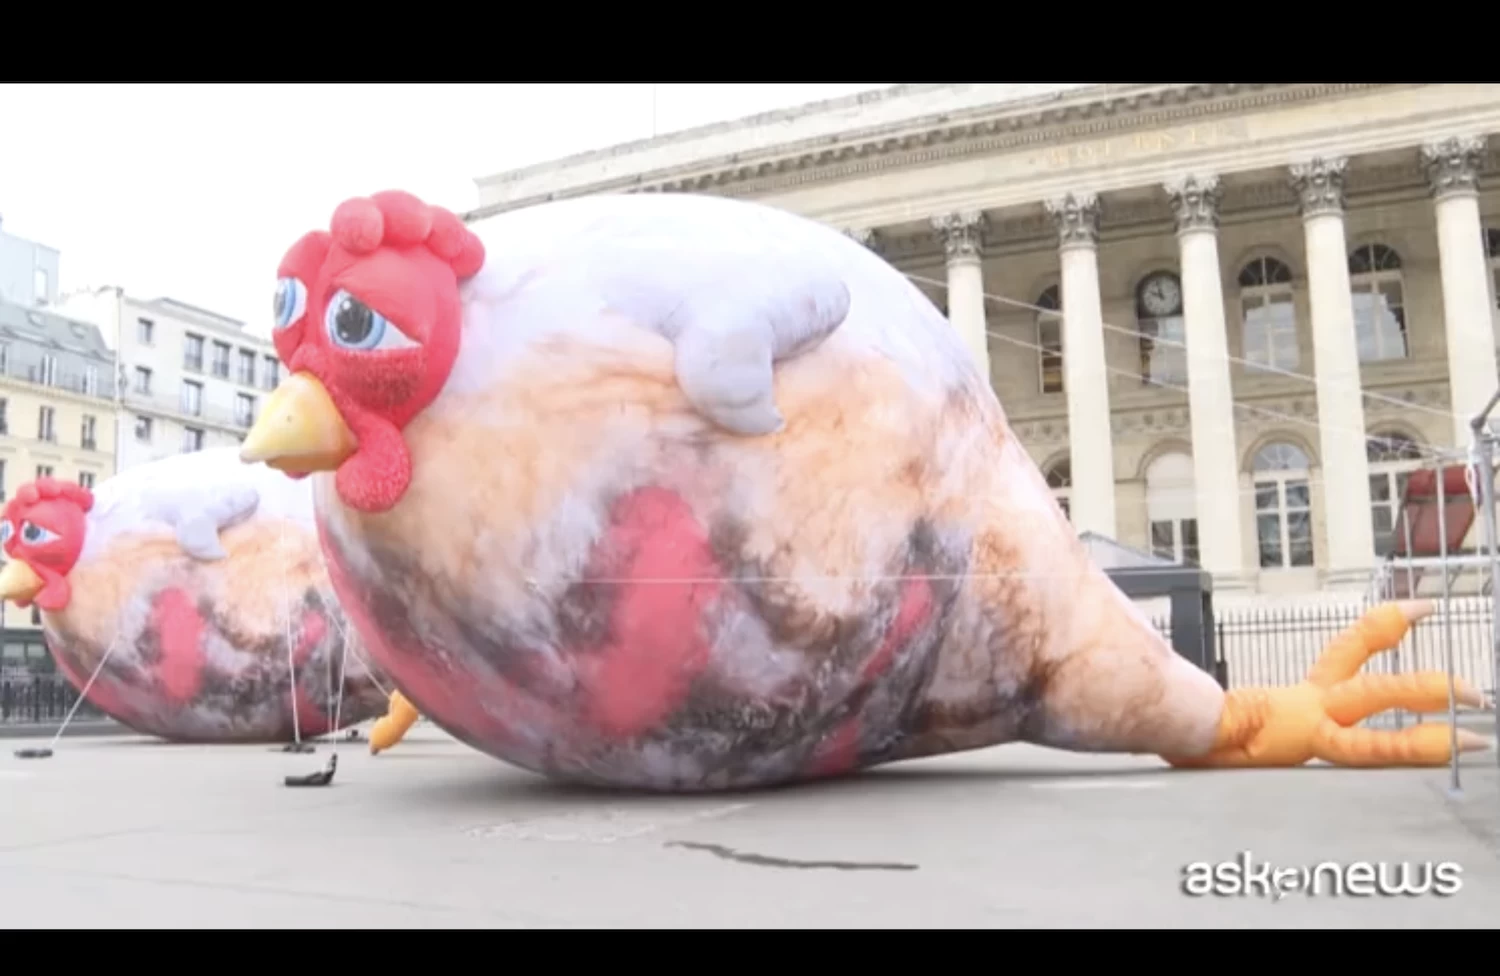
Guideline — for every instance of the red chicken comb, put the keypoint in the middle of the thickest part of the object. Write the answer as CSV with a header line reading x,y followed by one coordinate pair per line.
x,y
46,489
397,219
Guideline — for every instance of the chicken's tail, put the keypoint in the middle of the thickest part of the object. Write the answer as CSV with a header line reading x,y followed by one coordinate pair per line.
x,y
1090,672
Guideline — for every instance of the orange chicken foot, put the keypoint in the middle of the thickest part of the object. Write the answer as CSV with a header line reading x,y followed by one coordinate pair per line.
x,y
1316,718
392,727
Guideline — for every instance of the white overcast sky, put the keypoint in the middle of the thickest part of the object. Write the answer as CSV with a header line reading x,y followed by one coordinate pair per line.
x,y
194,191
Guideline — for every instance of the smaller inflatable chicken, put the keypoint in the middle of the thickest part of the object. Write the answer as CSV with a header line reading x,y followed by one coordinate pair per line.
x,y
684,493
199,578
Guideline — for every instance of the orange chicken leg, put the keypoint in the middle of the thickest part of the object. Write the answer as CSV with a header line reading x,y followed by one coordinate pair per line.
x,y
392,727
1315,718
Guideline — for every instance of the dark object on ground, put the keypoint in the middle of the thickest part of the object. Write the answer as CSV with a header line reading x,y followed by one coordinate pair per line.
x,y
299,747
321,778
33,753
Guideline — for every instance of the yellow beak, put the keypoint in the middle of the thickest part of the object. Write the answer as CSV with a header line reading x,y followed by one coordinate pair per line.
x,y
18,581
300,431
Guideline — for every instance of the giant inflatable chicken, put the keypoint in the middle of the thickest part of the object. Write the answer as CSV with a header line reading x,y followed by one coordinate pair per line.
x,y
197,581
686,493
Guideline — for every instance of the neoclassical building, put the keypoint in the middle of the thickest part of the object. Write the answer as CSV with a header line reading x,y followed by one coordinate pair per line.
x,y
1225,319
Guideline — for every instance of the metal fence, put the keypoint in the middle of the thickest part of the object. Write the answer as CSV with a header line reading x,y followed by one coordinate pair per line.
x,y
1278,645
40,699
1266,646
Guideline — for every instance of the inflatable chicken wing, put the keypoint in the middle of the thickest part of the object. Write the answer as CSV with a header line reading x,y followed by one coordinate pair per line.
x,y
198,582
685,493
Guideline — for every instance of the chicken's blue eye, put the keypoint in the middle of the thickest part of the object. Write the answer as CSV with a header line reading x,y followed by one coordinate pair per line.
x,y
354,325
34,535
291,301
5,532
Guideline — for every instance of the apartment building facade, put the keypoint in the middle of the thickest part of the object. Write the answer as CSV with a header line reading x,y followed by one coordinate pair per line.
x,y
57,418
189,378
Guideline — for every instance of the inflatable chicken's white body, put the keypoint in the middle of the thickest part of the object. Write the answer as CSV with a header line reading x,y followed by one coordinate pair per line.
x,y
688,493
193,496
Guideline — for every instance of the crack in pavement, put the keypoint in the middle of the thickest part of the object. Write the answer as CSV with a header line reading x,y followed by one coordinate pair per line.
x,y
765,861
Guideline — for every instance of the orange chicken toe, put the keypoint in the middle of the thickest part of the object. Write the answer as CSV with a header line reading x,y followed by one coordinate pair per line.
x,y
392,728
1422,692
1424,745
1378,629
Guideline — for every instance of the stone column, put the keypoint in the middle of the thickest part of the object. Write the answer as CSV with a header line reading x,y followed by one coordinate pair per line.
x,y
1319,184
1216,480
1452,167
1085,367
963,241
863,236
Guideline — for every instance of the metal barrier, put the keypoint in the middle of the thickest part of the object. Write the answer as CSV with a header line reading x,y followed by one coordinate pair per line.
x,y
40,699
1277,645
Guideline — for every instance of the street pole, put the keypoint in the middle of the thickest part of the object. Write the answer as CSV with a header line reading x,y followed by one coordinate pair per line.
x,y
1486,476
1484,443
1442,514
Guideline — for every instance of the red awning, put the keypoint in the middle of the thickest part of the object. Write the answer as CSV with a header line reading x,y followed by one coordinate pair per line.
x,y
1419,504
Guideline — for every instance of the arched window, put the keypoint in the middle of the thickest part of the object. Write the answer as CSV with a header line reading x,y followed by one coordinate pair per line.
x,y
1379,303
1158,316
1171,508
1267,315
1049,340
1283,507
1392,457
1060,480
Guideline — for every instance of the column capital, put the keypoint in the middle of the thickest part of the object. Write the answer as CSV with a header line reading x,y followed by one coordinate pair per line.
x,y
1319,184
863,236
1195,201
962,233
1452,165
1076,217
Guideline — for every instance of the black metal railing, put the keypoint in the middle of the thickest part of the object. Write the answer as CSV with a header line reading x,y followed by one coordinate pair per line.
x,y
202,410
96,384
41,699
1278,645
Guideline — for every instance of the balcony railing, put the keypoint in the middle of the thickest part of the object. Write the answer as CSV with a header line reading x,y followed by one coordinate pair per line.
x,y
170,406
79,383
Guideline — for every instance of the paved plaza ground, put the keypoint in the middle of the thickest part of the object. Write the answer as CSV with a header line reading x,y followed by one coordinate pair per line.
x,y
129,832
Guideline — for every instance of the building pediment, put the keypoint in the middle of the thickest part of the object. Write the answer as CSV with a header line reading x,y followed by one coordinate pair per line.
x,y
894,128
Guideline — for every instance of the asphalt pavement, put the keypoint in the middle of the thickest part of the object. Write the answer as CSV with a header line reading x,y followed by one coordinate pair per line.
x,y
126,832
